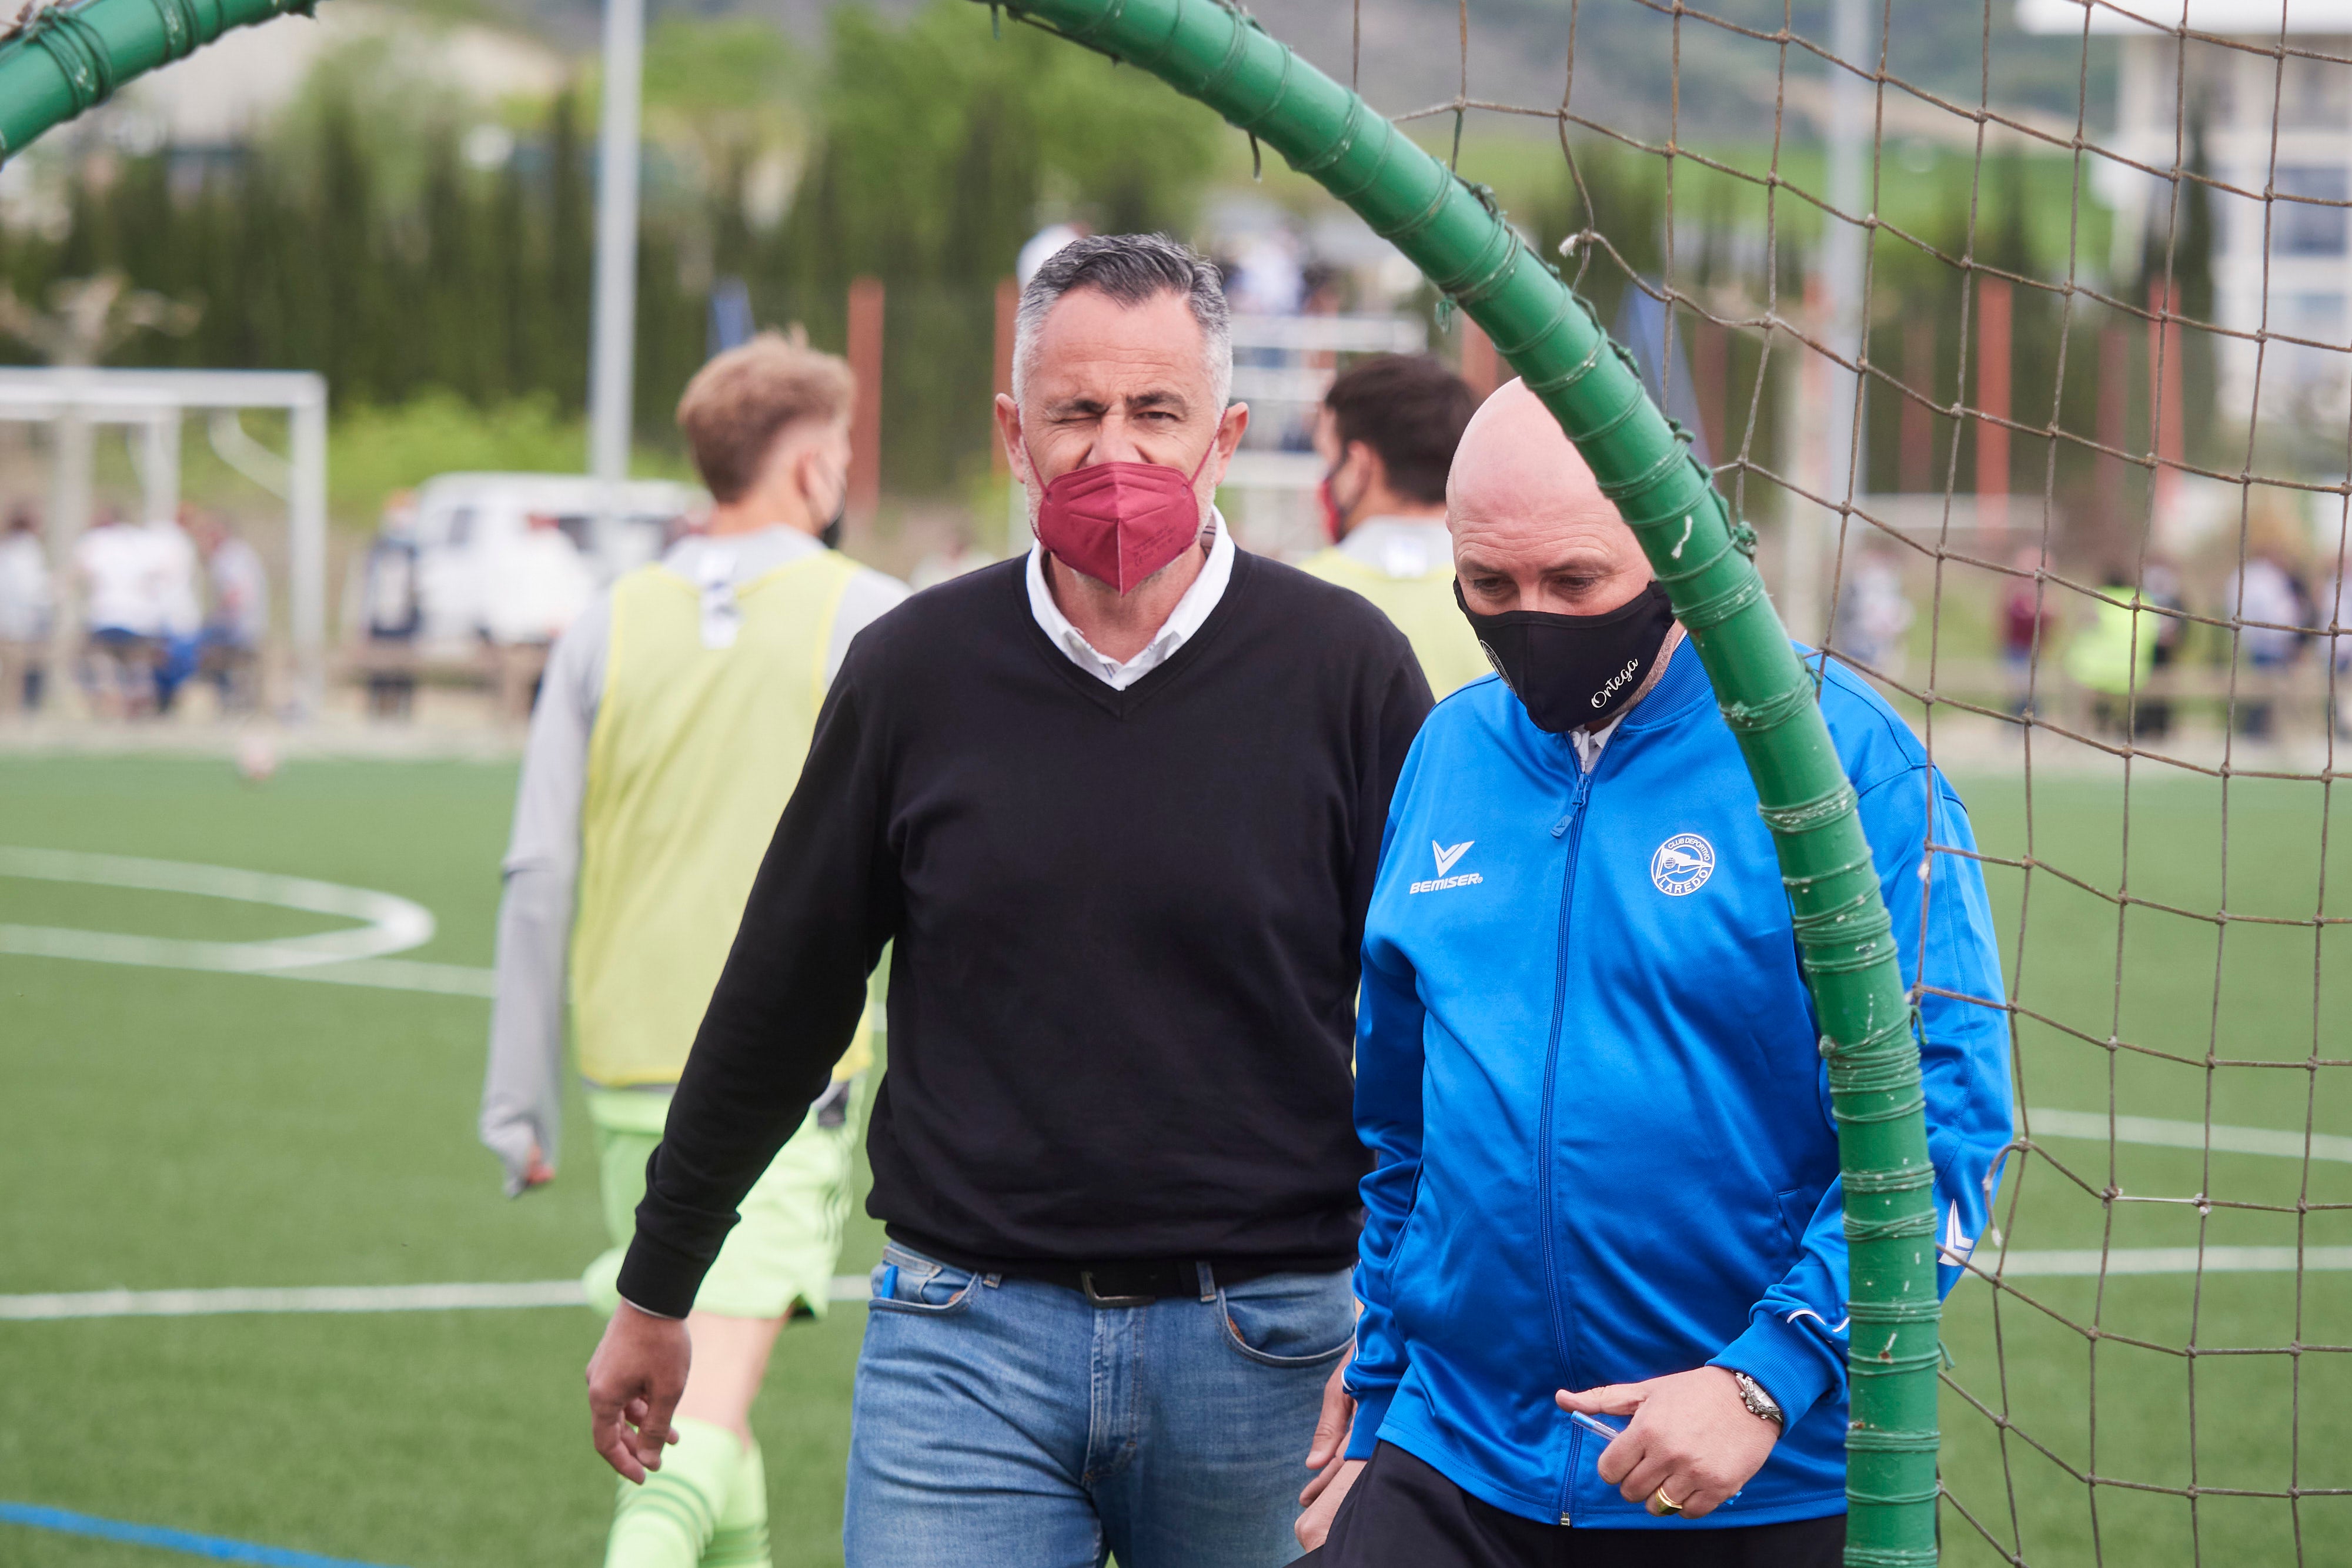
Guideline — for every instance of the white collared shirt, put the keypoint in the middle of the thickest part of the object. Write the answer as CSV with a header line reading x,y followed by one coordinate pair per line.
x,y
1179,629
1589,742
1401,548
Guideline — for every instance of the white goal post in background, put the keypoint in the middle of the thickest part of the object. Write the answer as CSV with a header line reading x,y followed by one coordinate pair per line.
x,y
75,401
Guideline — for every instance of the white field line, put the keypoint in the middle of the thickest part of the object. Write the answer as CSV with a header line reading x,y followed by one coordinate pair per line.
x,y
2092,1127
2083,1262
2172,1260
356,955
327,1298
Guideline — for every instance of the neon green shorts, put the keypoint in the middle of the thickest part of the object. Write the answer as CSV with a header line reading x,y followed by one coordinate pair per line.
x,y
784,1249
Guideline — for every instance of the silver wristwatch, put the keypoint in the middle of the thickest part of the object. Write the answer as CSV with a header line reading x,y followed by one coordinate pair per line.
x,y
1760,1403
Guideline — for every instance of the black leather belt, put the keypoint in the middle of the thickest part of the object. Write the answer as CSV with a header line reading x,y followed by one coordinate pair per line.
x,y
1138,1284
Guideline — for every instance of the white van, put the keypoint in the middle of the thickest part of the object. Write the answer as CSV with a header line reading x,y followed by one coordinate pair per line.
x,y
466,522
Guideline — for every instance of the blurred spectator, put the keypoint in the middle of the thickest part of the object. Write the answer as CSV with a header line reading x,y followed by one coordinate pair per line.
x,y
1386,431
229,647
2111,658
1266,277
538,582
25,606
2269,603
1873,615
391,609
1042,247
1326,288
122,594
172,568
2159,588
2027,619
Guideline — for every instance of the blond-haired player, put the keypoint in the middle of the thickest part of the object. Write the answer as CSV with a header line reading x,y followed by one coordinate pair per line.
x,y
669,732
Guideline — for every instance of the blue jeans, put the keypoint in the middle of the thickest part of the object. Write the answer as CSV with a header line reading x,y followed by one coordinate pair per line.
x,y
1004,1423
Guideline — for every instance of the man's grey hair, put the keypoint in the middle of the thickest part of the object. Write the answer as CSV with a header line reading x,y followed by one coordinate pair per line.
x,y
1133,269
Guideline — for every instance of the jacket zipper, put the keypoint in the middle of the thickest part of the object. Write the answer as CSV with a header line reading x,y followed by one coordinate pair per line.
x,y
1573,826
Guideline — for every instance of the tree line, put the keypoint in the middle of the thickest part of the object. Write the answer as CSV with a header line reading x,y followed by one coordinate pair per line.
x,y
926,155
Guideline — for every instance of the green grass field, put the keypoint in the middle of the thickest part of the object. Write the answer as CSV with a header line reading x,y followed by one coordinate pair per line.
x,y
172,1129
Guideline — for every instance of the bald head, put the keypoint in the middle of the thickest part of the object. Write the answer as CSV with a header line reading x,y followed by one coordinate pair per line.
x,y
1531,529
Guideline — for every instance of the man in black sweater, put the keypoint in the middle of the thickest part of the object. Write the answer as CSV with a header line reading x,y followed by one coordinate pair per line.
x,y
1119,805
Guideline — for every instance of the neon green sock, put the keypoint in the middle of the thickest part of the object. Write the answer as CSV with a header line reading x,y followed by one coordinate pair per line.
x,y
741,1539
669,1521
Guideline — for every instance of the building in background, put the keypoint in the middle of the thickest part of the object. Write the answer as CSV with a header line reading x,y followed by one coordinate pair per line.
x,y
2266,123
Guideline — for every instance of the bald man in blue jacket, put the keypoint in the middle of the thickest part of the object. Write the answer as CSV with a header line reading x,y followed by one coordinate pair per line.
x,y
1606,1197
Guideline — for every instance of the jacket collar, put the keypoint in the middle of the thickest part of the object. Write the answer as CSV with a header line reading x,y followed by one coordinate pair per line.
x,y
1682,688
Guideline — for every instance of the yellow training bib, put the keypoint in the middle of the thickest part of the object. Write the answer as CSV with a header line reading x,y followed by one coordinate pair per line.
x,y
1423,609
694,753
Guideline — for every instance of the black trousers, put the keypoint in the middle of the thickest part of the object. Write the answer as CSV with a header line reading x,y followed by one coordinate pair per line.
x,y
1401,1513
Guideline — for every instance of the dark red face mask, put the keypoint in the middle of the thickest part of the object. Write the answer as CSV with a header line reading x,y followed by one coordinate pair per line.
x,y
1120,522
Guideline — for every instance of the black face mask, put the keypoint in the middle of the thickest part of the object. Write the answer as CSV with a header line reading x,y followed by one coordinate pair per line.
x,y
1574,670
829,535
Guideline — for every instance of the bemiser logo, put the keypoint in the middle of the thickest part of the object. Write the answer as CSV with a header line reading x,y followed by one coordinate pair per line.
x,y
1447,858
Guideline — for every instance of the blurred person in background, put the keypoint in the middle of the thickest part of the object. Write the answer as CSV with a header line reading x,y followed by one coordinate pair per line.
x,y
1386,431
1872,613
391,608
229,646
535,583
26,607
115,573
1043,246
1266,278
2112,657
676,712
171,561
2272,606
2159,588
2027,620
1117,805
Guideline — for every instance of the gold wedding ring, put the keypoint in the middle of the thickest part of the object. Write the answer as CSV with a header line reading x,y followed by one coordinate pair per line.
x,y
1661,1505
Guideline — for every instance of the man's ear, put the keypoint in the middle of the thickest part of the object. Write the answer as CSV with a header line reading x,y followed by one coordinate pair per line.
x,y
1227,440
1229,427
1008,431
1371,470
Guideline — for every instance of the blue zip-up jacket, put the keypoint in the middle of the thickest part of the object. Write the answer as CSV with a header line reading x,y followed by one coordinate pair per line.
x,y
1588,1068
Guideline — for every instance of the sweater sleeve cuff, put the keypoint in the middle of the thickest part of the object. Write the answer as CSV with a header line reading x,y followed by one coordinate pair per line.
x,y
1795,1367
659,1279
1371,1409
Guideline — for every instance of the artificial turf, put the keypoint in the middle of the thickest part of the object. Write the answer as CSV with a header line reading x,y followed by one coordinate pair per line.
x,y
166,1129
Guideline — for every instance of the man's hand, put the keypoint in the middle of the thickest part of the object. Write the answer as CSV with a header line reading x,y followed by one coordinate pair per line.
x,y
1331,1430
634,1380
1330,1491
1691,1434
1333,1474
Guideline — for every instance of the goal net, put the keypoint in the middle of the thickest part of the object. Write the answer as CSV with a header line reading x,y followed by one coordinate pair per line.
x,y
2020,332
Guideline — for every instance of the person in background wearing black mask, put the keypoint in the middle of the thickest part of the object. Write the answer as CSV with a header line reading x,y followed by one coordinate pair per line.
x,y
1604,1267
